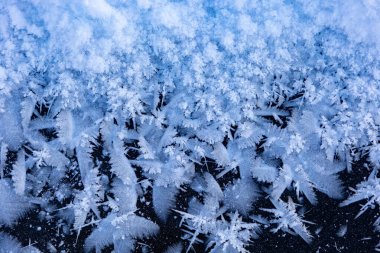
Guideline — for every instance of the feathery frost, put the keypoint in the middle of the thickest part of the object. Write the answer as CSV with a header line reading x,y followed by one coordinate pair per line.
x,y
117,116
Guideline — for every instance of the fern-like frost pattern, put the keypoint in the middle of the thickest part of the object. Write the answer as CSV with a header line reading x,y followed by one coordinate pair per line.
x,y
221,120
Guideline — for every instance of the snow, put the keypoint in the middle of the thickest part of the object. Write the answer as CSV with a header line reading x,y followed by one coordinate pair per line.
x,y
106,103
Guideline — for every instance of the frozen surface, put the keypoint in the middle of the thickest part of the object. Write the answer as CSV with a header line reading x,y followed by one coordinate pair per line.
x,y
222,121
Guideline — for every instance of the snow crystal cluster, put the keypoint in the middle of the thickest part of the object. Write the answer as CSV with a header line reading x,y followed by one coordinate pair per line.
x,y
191,109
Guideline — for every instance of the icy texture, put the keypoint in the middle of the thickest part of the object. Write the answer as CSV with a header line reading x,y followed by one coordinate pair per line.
x,y
108,107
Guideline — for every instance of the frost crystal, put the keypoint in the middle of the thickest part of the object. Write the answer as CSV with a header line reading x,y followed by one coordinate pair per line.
x,y
117,117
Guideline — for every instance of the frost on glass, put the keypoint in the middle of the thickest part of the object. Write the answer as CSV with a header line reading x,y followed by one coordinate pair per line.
x,y
117,116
